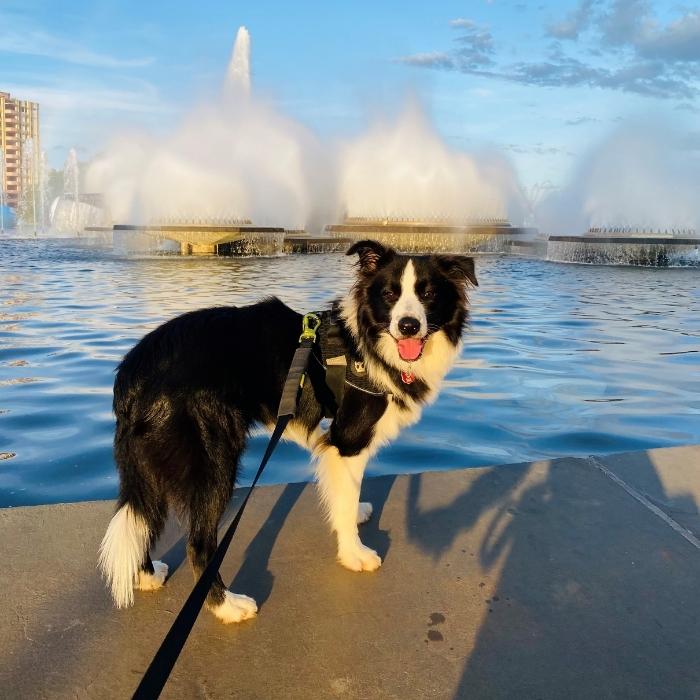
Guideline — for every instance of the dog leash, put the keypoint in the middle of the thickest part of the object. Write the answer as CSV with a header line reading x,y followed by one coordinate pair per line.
x,y
159,670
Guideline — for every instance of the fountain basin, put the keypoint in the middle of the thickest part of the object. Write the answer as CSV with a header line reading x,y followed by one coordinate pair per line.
x,y
296,242
429,237
647,251
203,239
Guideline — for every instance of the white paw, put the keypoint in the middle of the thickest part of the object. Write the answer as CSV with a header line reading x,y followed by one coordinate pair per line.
x,y
154,581
360,558
364,513
235,608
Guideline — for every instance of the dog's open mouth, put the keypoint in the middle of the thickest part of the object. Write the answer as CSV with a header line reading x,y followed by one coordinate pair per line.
x,y
410,349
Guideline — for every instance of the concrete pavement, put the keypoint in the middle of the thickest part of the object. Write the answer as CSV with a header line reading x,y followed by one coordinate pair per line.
x,y
542,580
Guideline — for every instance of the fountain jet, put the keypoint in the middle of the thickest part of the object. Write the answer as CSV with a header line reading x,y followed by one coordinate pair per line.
x,y
233,158
238,72
402,169
72,212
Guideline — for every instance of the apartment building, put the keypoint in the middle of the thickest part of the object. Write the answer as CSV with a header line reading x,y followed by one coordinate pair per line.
x,y
19,126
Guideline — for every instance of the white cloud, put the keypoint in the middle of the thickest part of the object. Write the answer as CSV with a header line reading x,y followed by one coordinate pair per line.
x,y
677,41
83,114
432,59
652,58
81,97
17,38
575,22
461,23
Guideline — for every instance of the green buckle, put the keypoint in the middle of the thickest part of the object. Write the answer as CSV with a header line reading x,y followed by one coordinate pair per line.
x,y
310,325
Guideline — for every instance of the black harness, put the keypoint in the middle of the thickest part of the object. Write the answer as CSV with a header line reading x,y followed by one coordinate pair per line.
x,y
341,360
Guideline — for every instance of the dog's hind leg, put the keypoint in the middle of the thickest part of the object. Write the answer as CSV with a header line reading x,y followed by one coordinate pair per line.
x,y
124,552
205,513
339,480
152,575
215,448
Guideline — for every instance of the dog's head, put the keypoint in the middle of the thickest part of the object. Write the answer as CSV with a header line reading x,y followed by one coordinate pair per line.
x,y
400,302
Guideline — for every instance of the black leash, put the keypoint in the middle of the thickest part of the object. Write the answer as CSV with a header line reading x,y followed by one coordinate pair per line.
x,y
157,673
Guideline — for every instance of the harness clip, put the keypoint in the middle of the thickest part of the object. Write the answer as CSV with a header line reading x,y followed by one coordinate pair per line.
x,y
310,325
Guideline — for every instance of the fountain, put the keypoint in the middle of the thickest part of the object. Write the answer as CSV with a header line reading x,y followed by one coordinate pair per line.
x,y
401,184
6,215
78,215
228,180
43,189
32,208
237,159
28,199
635,196
628,245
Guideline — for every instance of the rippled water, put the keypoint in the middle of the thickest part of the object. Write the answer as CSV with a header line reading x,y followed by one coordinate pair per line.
x,y
559,360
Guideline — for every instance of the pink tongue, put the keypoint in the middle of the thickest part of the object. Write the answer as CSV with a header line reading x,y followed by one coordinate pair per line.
x,y
410,348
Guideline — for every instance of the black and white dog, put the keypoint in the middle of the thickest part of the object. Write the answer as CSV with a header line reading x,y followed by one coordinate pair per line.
x,y
187,394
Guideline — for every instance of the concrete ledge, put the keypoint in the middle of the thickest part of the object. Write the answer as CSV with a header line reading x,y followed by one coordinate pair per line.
x,y
315,244
542,580
408,227
202,238
214,229
628,240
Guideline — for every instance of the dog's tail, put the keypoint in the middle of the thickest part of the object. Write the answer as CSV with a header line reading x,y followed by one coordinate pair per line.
x,y
122,553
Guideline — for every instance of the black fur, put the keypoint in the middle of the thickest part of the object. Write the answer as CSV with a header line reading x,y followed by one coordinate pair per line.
x,y
186,396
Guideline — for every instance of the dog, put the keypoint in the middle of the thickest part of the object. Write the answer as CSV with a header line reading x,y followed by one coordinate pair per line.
x,y
186,396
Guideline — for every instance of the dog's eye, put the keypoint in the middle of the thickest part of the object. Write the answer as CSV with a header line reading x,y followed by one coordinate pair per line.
x,y
390,296
428,294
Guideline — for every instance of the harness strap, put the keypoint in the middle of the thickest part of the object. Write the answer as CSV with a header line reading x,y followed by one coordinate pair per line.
x,y
343,363
336,368
367,391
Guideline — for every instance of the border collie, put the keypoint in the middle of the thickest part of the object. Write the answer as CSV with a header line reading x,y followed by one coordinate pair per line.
x,y
186,396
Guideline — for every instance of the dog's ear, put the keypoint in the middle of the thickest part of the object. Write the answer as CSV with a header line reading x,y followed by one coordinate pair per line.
x,y
458,267
372,255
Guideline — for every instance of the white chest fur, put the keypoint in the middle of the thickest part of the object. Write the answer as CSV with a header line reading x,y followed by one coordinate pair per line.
x,y
392,422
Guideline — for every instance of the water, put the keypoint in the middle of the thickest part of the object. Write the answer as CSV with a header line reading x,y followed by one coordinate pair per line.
x,y
560,360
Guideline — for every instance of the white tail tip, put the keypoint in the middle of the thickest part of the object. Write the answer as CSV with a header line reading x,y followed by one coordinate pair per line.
x,y
122,552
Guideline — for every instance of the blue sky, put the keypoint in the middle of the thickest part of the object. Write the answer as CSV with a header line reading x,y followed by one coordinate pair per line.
x,y
541,81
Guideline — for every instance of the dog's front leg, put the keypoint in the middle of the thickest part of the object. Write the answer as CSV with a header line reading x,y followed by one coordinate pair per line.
x,y
339,480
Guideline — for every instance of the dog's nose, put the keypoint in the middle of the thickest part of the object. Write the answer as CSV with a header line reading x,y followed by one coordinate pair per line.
x,y
409,326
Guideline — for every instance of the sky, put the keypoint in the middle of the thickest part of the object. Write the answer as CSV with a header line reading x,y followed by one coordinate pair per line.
x,y
541,82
